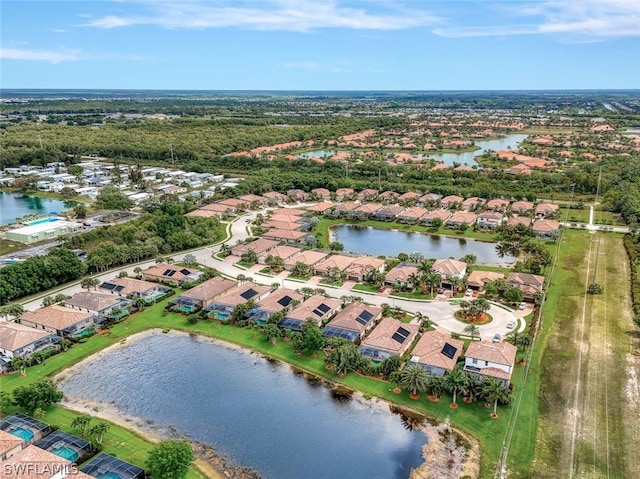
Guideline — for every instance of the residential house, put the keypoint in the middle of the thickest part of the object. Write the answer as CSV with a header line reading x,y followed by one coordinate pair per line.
x,y
282,225
346,207
280,299
388,197
253,201
477,280
497,205
222,307
364,265
409,198
430,199
442,215
210,210
20,341
296,195
284,252
519,220
274,198
437,352
459,218
104,465
321,207
388,213
322,193
353,322
412,215
289,211
10,445
164,272
489,220
546,210
287,218
234,204
102,306
136,289
522,207
529,284
26,428
310,258
471,204
344,194
66,445
491,360
287,236
368,210
317,307
400,275
449,269
47,465
390,337
59,320
202,295
547,229
368,194
451,202
335,261
259,247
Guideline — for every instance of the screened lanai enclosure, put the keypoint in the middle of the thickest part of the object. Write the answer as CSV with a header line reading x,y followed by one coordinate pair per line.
x,y
104,466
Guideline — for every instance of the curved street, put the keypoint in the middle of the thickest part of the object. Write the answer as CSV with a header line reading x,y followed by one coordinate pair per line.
x,y
440,312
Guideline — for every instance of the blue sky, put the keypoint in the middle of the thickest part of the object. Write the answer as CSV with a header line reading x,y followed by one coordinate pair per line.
x,y
320,44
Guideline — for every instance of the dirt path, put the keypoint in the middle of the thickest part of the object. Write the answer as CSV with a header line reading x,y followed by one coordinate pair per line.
x,y
589,425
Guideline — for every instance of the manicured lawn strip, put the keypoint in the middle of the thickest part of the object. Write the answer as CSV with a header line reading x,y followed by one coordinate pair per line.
x,y
496,269
322,230
414,295
366,288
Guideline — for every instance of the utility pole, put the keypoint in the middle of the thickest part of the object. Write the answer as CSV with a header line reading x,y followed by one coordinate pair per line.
x,y
171,148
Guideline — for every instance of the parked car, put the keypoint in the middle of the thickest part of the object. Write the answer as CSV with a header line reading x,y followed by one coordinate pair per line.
x,y
511,324
441,291
496,338
522,305
469,292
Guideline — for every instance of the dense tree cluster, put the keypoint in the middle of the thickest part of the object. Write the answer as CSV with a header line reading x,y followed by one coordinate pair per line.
x,y
39,273
161,230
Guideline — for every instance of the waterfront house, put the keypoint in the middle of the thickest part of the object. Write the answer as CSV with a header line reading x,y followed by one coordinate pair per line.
x,y
412,215
136,289
449,268
353,322
280,299
442,215
317,307
10,445
164,272
362,266
59,320
367,210
222,307
390,337
388,213
20,341
346,207
102,306
42,230
336,261
65,445
286,236
259,247
490,360
309,258
321,207
24,427
477,280
104,465
489,220
437,352
548,229
519,220
459,218
529,284
202,295
400,275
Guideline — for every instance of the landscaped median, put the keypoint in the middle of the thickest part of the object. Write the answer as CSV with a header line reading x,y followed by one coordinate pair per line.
x,y
470,418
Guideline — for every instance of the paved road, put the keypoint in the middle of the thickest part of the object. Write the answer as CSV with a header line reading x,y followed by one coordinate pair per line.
x,y
441,312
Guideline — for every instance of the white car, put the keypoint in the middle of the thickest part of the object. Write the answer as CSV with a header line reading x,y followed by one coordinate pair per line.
x,y
511,324
522,305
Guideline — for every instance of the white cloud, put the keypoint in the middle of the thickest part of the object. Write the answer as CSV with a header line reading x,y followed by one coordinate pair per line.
x,y
289,15
59,30
39,55
580,19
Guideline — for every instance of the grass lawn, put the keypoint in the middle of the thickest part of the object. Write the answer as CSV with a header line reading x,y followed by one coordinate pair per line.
x,y
415,295
322,230
7,247
367,288
496,269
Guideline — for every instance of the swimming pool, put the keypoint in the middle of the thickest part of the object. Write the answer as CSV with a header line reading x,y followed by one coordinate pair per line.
x,y
65,453
22,433
43,220
109,475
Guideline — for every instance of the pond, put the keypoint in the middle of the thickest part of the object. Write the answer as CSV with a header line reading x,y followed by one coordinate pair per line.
x,y
13,206
317,154
468,158
256,413
376,241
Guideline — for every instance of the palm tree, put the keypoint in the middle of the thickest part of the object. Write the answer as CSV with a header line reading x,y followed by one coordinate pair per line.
x,y
455,381
88,283
524,342
99,430
415,379
472,330
139,303
493,391
20,364
415,279
82,422
437,385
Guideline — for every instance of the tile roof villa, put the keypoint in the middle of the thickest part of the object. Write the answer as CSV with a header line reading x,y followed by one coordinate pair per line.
x,y
390,337
58,320
318,307
19,341
353,322
495,360
437,352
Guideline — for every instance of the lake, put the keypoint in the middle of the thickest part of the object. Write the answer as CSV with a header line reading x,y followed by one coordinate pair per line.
x,y
13,206
508,142
317,154
256,413
376,241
